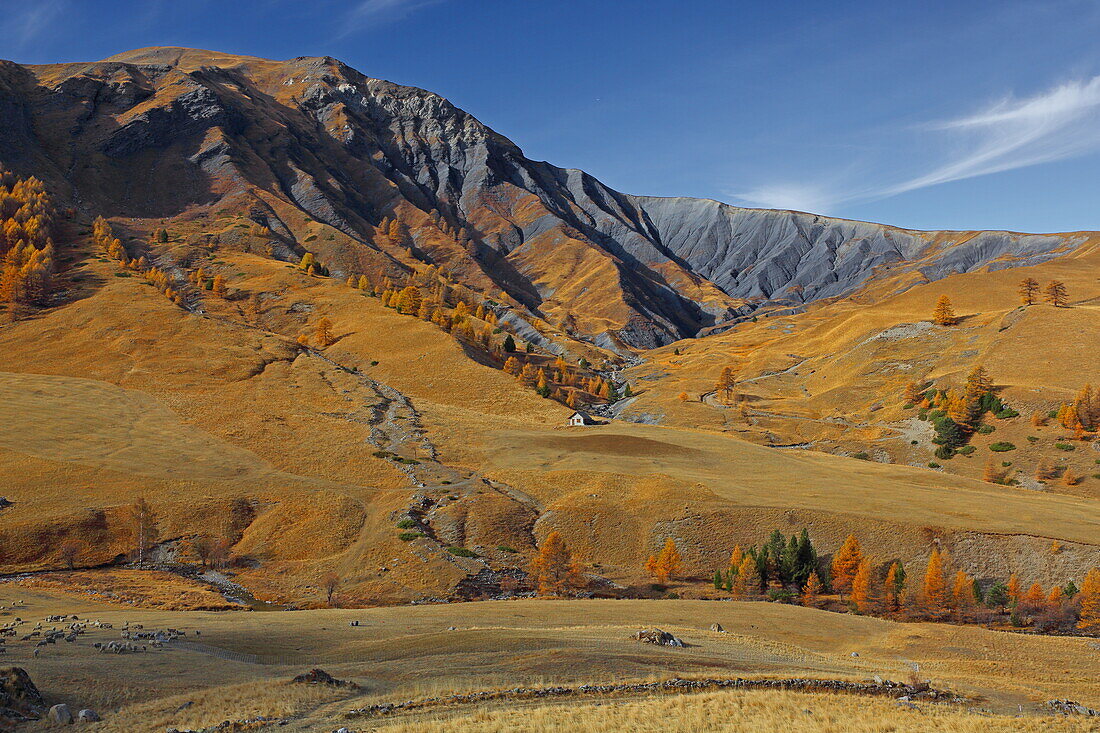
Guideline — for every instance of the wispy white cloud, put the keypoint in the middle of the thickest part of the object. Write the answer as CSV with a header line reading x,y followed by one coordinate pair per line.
x,y
796,196
25,22
368,12
1060,123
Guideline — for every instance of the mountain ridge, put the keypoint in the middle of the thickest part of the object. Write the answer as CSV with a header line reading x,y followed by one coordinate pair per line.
x,y
312,137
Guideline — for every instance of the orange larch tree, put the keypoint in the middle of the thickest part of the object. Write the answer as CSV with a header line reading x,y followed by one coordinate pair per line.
x,y
736,557
1014,588
553,566
1029,288
962,592
811,591
845,565
892,588
862,590
322,332
1090,601
1035,595
668,562
944,314
747,583
935,584
1056,294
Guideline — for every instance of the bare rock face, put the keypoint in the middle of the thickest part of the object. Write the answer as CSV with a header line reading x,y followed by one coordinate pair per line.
x,y
19,698
264,138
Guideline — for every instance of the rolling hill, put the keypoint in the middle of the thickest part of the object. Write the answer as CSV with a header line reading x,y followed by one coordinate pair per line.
x,y
396,453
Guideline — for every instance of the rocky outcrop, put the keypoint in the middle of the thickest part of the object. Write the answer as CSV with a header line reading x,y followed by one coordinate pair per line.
x,y
658,637
321,677
164,132
19,698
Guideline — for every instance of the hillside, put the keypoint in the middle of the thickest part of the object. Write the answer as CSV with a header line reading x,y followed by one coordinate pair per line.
x,y
833,378
120,392
290,335
325,158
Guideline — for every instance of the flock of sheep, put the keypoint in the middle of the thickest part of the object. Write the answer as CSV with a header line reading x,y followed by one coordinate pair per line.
x,y
68,627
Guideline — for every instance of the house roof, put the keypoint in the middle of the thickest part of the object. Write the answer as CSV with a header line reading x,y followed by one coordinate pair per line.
x,y
583,414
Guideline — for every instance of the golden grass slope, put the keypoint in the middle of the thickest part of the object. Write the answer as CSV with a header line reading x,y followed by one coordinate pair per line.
x,y
239,665
832,378
736,712
290,431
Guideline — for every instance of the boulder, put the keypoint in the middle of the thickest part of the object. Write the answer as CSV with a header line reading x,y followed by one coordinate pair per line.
x,y
318,676
717,627
88,716
656,636
60,714
19,698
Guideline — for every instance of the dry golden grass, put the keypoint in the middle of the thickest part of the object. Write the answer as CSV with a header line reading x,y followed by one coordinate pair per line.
x,y
733,712
201,708
834,375
402,653
148,589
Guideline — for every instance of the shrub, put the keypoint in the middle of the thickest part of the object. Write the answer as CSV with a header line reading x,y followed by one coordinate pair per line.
x,y
933,464
923,414
409,536
913,442
997,596
1001,446
1053,414
1006,464
406,523
948,432
1096,475
1032,439
782,596
862,455
506,548
908,406
945,452
461,552
966,450
1064,446
1055,619
986,429
1006,414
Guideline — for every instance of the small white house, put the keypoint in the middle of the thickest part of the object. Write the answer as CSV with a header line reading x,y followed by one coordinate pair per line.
x,y
580,419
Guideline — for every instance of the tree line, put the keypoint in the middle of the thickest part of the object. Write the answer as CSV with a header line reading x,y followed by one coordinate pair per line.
x,y
27,256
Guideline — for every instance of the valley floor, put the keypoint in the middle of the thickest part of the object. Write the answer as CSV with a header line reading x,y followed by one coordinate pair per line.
x,y
235,666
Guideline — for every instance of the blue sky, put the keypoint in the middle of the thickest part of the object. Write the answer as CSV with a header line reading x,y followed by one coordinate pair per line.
x,y
927,115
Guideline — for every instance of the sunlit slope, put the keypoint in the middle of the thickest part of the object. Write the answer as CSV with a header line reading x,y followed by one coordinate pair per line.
x,y
433,650
121,393
832,378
